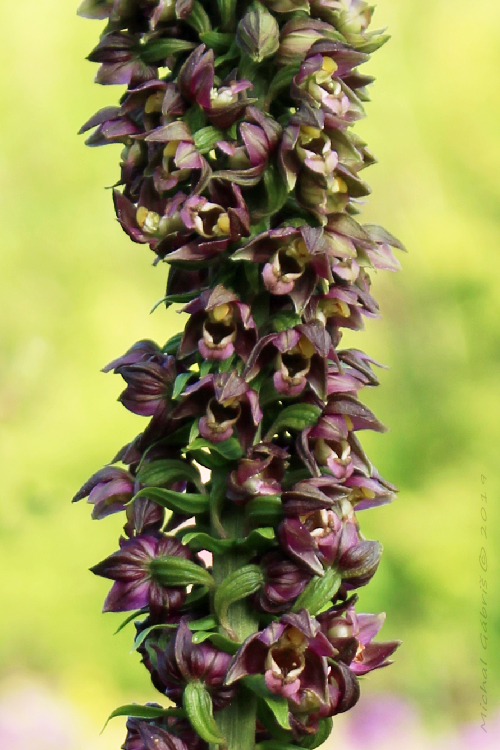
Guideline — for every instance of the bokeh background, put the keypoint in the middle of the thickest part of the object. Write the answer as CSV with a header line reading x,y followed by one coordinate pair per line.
x,y
76,293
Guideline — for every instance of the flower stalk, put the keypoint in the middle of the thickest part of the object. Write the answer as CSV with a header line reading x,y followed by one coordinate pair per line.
x,y
242,549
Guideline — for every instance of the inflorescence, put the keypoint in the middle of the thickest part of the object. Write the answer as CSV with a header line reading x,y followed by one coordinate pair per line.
x,y
242,550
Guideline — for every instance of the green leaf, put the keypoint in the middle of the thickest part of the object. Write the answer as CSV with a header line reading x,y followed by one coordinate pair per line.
x,y
131,617
199,540
196,118
266,510
178,502
294,417
173,344
196,626
259,540
219,42
198,19
285,319
318,592
227,11
223,643
206,138
180,383
157,50
198,706
142,712
274,195
171,299
229,449
277,704
312,741
170,570
209,460
274,745
282,81
204,623
141,637
178,437
238,585
167,471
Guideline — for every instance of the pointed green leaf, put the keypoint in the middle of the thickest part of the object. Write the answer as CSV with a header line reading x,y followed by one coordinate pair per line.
x,y
173,344
178,502
318,592
238,585
206,138
229,449
259,540
169,570
180,383
167,471
198,706
131,617
142,712
157,50
294,417
266,510
277,704
219,42
312,741
199,540
198,19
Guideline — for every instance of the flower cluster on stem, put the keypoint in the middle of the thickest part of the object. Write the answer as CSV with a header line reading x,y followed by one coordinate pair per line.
x,y
242,549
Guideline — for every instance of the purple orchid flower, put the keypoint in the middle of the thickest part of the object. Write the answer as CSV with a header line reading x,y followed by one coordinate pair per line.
x,y
297,37
292,655
134,586
219,326
301,358
226,402
183,662
226,103
258,474
109,490
196,77
284,581
149,374
352,635
120,62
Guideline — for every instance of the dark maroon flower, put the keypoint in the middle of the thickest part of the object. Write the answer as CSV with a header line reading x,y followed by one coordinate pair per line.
x,y
143,517
145,735
226,402
291,654
258,139
300,357
149,374
183,662
260,473
109,490
284,581
118,53
196,77
226,101
219,325
129,568
352,635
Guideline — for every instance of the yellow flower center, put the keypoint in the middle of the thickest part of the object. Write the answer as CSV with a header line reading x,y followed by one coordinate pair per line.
x,y
220,313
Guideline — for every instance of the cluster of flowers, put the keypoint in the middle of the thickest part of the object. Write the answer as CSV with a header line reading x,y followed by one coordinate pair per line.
x,y
242,549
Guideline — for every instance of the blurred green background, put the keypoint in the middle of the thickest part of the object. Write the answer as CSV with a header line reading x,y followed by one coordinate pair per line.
x,y
76,293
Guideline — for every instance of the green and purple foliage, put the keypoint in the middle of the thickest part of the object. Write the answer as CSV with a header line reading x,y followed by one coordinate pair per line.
x,y
241,171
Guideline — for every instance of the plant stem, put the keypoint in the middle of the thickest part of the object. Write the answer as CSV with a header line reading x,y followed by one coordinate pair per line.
x,y
237,721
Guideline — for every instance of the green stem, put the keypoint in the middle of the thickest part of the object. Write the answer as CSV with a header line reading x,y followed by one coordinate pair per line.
x,y
237,721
